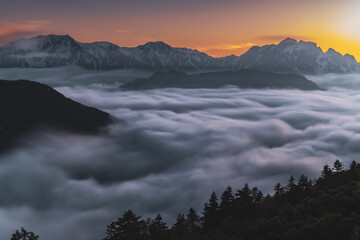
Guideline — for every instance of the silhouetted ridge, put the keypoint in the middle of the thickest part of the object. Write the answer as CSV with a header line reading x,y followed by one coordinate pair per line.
x,y
155,45
26,105
288,41
242,79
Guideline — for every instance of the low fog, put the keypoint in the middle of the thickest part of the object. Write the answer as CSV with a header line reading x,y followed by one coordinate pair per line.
x,y
168,149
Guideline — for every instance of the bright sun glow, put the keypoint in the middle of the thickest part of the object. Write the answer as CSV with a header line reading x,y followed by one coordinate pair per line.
x,y
349,23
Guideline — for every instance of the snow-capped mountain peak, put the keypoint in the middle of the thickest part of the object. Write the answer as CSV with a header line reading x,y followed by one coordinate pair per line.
x,y
288,41
156,46
41,43
161,56
41,51
289,56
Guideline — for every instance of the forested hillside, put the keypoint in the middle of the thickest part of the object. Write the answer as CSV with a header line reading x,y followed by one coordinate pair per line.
x,y
324,208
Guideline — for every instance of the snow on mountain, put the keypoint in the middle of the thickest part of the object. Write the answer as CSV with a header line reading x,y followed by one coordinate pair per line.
x,y
289,56
41,51
162,56
107,55
229,63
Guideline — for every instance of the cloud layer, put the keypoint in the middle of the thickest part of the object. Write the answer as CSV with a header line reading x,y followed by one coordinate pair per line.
x,y
167,151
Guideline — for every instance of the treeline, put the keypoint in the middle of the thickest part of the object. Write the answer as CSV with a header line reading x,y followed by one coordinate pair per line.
x,y
324,208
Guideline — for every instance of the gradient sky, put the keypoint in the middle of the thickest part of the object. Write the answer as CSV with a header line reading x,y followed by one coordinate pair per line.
x,y
216,27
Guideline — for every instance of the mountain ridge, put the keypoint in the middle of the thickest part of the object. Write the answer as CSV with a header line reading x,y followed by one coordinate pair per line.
x,y
289,56
247,78
297,57
27,105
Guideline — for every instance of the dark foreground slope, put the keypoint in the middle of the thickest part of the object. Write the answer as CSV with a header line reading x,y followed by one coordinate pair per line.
x,y
242,79
26,105
327,208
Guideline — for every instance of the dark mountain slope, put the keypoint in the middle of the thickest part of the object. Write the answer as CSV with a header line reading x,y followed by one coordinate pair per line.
x,y
242,79
26,105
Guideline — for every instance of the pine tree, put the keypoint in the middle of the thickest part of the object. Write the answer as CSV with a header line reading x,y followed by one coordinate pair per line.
x,y
157,229
291,184
291,190
257,195
279,191
193,224
193,220
338,166
129,227
354,170
211,213
304,186
353,166
244,196
227,199
243,203
179,229
24,235
326,172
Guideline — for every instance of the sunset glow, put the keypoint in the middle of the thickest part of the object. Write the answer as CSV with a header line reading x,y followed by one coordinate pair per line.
x,y
217,28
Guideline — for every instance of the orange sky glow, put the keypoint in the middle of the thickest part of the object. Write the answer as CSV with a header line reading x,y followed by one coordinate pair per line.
x,y
219,29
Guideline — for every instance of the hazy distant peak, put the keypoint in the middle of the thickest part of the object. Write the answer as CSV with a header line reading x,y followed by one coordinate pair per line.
x,y
254,48
332,51
351,57
288,41
308,44
54,37
232,56
243,79
302,57
33,44
100,44
155,45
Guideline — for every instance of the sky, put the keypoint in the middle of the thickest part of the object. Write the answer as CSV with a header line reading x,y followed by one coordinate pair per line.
x,y
219,28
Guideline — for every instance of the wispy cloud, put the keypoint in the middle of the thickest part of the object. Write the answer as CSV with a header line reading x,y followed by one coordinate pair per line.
x,y
122,31
274,38
220,50
10,30
227,46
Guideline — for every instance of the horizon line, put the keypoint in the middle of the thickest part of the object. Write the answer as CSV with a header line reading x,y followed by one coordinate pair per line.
x,y
183,47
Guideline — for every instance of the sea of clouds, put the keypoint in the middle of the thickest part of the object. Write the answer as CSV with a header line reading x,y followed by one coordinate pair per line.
x,y
168,149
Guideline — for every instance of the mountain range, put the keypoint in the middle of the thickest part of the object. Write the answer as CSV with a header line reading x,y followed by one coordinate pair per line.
x,y
289,56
